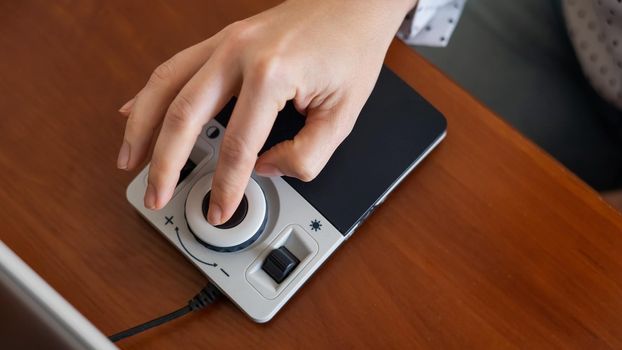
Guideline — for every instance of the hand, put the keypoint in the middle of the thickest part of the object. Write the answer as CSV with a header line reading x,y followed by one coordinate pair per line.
x,y
325,55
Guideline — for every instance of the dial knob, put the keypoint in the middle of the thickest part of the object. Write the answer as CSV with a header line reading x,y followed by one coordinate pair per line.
x,y
239,232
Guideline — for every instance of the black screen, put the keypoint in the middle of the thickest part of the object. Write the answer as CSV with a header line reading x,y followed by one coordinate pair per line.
x,y
395,128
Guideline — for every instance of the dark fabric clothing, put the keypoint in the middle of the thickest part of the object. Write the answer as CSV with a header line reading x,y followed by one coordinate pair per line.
x,y
516,57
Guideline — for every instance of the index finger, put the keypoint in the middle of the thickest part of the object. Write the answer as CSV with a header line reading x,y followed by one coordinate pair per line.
x,y
204,95
247,131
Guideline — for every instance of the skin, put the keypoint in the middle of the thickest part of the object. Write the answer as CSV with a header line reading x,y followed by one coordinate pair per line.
x,y
614,198
325,55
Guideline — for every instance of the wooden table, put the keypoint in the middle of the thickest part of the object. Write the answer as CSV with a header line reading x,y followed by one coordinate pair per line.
x,y
489,244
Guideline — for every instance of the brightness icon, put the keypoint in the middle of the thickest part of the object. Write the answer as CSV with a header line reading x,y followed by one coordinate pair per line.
x,y
315,225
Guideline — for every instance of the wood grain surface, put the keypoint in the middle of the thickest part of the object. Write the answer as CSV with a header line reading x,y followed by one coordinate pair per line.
x,y
489,244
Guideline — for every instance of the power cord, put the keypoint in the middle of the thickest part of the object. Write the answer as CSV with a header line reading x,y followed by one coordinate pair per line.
x,y
205,297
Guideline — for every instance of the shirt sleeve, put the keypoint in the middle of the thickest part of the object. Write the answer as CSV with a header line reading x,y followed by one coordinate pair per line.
x,y
431,22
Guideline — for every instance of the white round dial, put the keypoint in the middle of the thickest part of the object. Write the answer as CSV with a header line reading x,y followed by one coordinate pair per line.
x,y
226,237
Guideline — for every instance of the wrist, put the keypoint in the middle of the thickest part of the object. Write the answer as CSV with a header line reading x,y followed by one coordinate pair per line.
x,y
397,7
373,22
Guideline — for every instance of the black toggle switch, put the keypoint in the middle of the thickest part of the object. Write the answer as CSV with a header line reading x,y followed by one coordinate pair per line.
x,y
280,263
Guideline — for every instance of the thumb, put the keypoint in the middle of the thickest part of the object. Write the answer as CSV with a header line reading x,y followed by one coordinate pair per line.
x,y
307,153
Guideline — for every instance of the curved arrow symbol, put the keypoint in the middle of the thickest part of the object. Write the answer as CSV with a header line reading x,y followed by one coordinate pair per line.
x,y
187,251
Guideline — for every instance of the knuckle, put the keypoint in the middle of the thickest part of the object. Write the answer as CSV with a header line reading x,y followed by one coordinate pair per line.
x,y
228,48
339,126
223,190
133,127
348,119
341,131
266,68
180,112
234,150
137,130
304,168
158,169
163,72
240,32
234,27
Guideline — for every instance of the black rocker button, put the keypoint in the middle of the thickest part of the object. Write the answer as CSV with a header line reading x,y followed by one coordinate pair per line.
x,y
279,264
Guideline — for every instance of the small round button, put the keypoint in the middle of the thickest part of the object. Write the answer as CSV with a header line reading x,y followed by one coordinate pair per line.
x,y
239,232
212,132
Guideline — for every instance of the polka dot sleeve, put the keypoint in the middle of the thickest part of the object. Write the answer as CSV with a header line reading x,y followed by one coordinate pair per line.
x,y
595,29
431,22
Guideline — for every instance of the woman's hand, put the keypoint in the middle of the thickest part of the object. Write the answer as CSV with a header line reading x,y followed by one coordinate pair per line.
x,y
325,55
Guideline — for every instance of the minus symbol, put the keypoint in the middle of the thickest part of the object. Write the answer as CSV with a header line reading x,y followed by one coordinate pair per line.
x,y
225,272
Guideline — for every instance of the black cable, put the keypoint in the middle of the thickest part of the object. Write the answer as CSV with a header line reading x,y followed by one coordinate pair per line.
x,y
205,297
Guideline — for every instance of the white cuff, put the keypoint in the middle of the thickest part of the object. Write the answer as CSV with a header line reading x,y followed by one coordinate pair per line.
x,y
431,23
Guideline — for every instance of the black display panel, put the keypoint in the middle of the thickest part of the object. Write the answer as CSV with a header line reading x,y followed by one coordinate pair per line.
x,y
395,128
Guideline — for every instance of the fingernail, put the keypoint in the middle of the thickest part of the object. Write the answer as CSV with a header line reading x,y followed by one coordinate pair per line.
x,y
150,197
268,170
124,156
127,106
214,214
